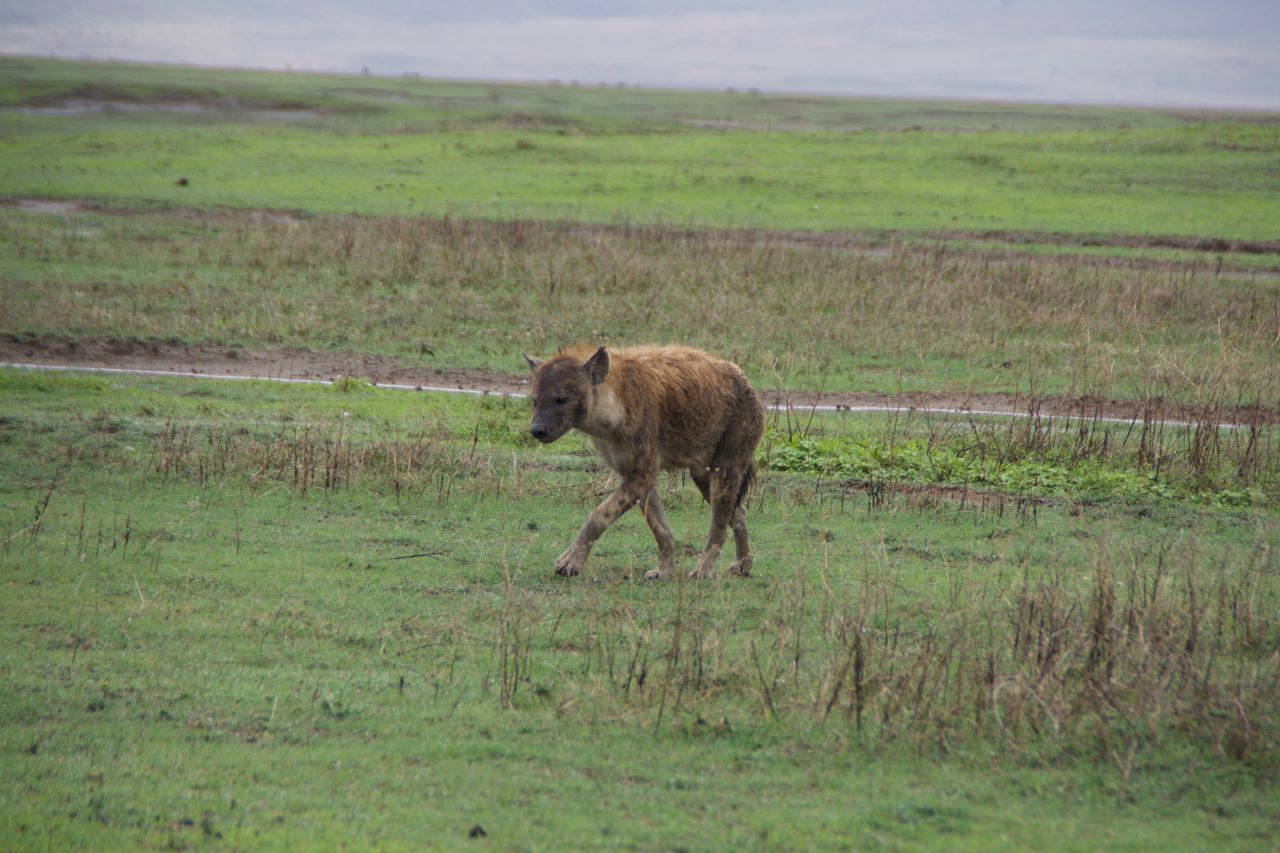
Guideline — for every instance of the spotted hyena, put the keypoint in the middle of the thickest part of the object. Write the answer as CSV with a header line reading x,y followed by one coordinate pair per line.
x,y
647,409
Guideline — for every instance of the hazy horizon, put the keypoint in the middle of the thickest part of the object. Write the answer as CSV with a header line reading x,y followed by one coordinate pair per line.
x,y
1179,53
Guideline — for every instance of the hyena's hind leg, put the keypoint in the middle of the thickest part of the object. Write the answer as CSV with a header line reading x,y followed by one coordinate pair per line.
x,y
724,489
742,565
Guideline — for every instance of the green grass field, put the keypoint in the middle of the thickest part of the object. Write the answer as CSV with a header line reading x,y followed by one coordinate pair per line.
x,y
272,616
258,614
414,148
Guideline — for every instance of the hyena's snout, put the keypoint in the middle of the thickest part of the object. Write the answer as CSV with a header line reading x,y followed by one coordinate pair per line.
x,y
546,428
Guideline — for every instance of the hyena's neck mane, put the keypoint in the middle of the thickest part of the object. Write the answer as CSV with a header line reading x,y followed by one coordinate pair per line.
x,y
607,415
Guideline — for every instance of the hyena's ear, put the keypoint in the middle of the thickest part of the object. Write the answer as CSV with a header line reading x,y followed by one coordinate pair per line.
x,y
597,366
534,363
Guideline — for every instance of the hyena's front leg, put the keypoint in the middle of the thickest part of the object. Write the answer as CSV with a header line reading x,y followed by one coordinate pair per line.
x,y
572,560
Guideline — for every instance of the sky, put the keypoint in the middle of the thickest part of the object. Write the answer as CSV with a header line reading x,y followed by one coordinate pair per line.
x,y
1179,53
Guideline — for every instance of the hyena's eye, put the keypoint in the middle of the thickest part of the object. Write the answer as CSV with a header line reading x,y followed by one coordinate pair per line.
x,y
560,401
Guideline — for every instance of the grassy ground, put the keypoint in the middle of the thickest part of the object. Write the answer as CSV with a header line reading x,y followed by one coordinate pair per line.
x,y
314,616
795,315
1202,176
257,614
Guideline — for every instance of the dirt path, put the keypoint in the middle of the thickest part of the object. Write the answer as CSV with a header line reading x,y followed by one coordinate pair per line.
x,y
297,364
282,363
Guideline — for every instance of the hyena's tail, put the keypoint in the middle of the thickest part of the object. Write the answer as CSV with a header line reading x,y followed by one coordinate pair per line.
x,y
748,478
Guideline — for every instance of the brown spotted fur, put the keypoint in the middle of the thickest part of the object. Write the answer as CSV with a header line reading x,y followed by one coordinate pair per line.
x,y
647,409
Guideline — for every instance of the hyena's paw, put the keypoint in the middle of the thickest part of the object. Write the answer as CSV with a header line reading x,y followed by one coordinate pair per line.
x,y
741,567
706,569
661,573
570,563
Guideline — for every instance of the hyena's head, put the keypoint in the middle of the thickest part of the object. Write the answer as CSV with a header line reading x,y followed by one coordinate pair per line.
x,y
562,392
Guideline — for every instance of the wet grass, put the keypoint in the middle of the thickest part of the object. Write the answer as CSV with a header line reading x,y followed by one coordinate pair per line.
x,y
254,614
835,317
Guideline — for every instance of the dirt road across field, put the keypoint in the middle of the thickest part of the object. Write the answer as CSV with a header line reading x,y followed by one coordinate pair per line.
x,y
288,364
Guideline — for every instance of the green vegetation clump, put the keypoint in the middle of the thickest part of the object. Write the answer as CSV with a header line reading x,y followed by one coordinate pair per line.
x,y
1052,473
916,461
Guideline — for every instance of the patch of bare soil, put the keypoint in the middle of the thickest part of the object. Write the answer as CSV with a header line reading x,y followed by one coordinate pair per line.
x,y
1076,408
291,363
50,206
217,106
